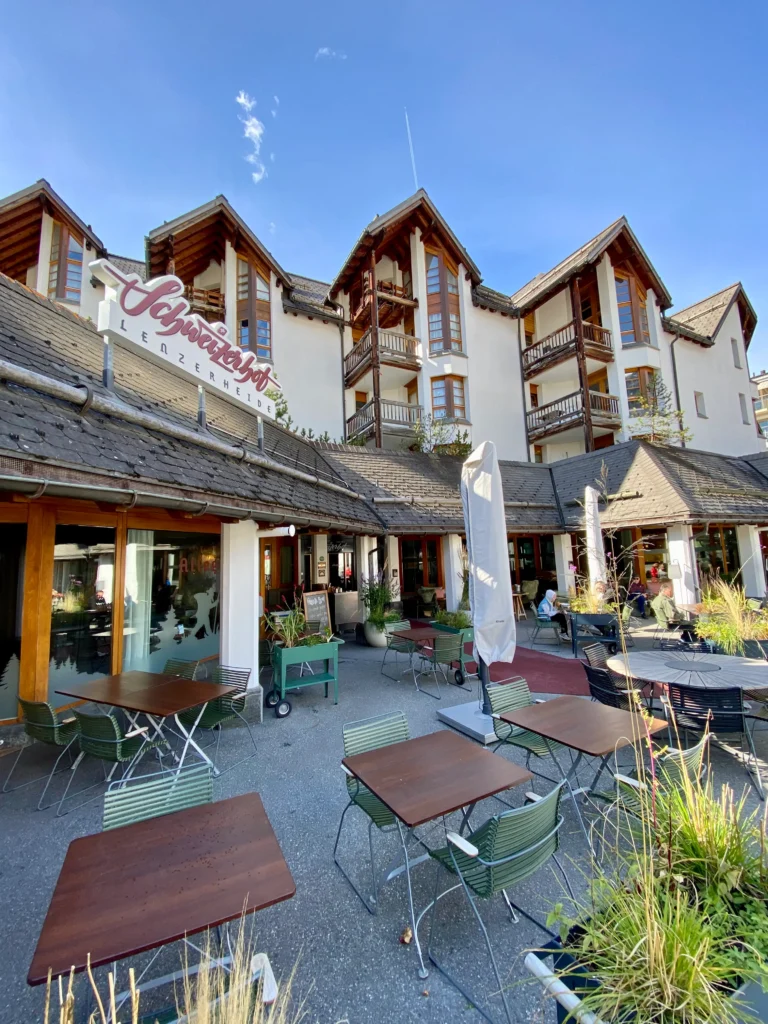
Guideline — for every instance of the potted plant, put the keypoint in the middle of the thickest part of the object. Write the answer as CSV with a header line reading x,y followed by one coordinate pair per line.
x,y
457,622
376,595
677,931
730,623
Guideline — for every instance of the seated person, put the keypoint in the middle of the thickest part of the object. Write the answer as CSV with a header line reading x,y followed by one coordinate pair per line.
x,y
548,610
667,615
636,595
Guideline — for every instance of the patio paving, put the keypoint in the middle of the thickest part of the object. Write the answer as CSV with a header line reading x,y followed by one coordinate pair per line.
x,y
351,966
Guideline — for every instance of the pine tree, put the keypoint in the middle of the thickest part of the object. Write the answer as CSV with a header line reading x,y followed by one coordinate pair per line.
x,y
658,421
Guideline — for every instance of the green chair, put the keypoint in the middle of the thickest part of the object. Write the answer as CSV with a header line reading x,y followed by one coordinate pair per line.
x,y
176,667
513,695
505,851
359,737
446,652
671,769
151,796
543,623
42,723
225,709
398,645
101,736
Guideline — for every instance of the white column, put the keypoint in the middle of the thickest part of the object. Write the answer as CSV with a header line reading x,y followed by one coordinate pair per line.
x,y
751,558
44,254
453,565
320,565
363,547
230,291
594,537
241,603
392,555
682,565
564,563
421,320
609,315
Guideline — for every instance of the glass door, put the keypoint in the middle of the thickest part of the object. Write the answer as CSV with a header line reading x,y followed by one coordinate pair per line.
x,y
13,537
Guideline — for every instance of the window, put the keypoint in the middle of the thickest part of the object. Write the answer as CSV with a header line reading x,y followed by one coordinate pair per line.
x,y
744,409
412,391
529,326
65,273
534,391
639,384
538,453
633,312
736,353
13,539
701,409
253,308
361,399
448,398
442,305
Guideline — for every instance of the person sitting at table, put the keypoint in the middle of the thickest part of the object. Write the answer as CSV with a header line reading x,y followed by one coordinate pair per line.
x,y
636,595
548,610
666,612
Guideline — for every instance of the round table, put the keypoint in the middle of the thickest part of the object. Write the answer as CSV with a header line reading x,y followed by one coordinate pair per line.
x,y
692,669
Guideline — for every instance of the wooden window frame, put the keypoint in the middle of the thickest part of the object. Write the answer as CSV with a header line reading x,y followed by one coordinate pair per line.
x,y
411,389
533,391
645,374
538,453
445,303
638,299
361,399
254,310
424,540
62,265
450,406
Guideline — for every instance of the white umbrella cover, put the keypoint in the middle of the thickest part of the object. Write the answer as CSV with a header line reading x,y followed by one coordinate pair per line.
x,y
490,583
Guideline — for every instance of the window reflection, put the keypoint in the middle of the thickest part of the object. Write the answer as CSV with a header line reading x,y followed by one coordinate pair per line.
x,y
12,545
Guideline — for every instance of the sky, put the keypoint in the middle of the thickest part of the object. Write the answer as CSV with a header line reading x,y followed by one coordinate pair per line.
x,y
534,125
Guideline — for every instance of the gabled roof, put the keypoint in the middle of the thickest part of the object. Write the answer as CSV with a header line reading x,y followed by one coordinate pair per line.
x,y
706,316
543,285
310,297
420,211
21,216
128,265
489,298
194,238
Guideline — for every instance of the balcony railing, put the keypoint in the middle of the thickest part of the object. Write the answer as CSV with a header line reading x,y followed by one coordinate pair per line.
x,y
397,414
395,349
569,411
208,302
561,344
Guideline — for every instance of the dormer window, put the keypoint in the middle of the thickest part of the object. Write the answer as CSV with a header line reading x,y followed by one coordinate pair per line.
x,y
254,324
65,273
443,311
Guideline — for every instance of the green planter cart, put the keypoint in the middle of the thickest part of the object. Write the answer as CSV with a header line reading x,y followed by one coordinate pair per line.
x,y
467,636
284,657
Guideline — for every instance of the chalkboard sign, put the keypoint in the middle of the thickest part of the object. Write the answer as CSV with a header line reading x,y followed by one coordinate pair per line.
x,y
316,608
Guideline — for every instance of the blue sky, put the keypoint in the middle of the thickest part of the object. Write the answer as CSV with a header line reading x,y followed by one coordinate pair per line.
x,y
534,125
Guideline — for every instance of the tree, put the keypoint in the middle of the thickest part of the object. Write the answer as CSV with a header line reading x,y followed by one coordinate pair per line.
x,y
439,436
658,421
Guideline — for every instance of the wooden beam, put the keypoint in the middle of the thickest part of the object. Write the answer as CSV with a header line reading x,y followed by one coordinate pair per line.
x,y
375,361
388,297
36,611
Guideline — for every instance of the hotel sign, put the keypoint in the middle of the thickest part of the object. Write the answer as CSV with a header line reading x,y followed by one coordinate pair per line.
x,y
154,316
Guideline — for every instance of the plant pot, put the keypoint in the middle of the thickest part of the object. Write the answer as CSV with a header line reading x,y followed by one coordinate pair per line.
x,y
374,636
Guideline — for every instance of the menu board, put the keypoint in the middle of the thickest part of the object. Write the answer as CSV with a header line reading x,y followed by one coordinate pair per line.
x,y
316,608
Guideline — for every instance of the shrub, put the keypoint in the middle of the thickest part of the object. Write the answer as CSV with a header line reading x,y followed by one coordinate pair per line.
x,y
458,620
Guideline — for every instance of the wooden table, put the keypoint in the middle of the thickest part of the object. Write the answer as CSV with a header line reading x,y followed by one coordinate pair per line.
x,y
142,886
584,726
426,778
418,634
156,696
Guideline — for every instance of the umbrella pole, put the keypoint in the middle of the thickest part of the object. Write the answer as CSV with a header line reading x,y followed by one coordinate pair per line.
x,y
482,670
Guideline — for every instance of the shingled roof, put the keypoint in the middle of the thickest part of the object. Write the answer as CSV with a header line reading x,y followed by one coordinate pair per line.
x,y
706,316
311,298
129,265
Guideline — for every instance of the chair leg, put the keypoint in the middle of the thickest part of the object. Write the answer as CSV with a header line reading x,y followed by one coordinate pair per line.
x,y
370,905
66,750
13,769
757,781
223,771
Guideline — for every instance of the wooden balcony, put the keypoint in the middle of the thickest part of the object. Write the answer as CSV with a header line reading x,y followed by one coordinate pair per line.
x,y
394,350
208,302
567,412
399,415
393,300
561,345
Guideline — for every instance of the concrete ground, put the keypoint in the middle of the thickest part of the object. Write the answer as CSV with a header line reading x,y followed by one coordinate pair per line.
x,y
350,966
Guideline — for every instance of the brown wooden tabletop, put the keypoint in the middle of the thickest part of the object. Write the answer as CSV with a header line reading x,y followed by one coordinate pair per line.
x,y
424,778
141,886
148,692
419,634
584,725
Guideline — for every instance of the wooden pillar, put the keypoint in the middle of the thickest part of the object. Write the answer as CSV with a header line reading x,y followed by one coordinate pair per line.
x,y
36,613
375,361
581,362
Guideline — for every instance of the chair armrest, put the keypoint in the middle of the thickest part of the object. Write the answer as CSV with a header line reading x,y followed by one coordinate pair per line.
x,y
68,721
533,797
347,771
462,844
138,731
634,783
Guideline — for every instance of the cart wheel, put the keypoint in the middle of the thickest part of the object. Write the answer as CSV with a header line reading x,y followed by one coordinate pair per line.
x,y
272,699
458,676
283,709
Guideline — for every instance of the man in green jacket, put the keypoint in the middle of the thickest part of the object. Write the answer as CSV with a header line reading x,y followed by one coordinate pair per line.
x,y
667,614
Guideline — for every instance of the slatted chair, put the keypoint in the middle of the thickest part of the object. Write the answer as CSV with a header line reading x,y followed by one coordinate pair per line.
x,y
543,623
671,768
151,796
220,710
101,736
596,655
719,709
627,625
446,651
398,645
511,696
177,667
359,737
605,689
42,724
503,852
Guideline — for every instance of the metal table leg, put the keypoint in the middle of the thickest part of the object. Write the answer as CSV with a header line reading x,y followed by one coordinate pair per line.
x,y
189,742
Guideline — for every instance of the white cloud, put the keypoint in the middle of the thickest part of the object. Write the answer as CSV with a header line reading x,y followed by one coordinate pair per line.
x,y
326,51
246,102
259,173
272,227
272,157
277,100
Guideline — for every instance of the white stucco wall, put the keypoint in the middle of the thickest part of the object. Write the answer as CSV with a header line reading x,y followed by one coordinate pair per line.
x,y
553,314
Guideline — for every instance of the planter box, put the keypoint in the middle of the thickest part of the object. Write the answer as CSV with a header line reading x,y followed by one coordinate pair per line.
x,y
284,657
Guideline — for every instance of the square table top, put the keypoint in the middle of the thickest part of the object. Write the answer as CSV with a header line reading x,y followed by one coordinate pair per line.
x,y
419,633
592,728
422,779
148,692
141,886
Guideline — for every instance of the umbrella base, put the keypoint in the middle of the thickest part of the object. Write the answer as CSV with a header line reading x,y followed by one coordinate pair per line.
x,y
470,720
